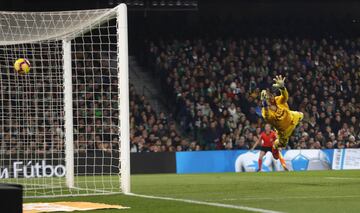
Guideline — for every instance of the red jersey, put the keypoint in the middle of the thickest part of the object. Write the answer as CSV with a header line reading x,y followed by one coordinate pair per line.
x,y
268,139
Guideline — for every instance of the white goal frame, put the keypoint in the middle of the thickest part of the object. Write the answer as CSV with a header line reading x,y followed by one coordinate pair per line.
x,y
123,75
120,14
123,87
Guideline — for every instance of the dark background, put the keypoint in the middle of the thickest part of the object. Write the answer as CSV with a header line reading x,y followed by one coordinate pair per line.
x,y
234,18
244,17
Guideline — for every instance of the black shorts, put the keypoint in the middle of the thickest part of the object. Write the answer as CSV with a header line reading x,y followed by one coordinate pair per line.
x,y
266,149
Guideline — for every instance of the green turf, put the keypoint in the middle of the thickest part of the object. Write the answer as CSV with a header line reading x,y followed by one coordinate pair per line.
x,y
320,191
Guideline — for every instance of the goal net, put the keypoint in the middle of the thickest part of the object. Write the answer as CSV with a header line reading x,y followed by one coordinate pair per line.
x,y
64,127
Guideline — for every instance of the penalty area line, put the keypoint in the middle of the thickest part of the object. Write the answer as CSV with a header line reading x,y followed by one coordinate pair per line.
x,y
206,203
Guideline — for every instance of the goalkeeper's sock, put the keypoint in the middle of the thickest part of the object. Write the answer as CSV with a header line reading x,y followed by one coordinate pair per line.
x,y
260,165
282,161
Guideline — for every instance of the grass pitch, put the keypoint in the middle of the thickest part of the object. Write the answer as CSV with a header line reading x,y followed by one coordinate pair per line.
x,y
316,191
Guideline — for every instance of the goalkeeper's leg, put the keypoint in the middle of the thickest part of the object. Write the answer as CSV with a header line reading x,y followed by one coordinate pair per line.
x,y
280,142
297,117
276,151
283,137
282,161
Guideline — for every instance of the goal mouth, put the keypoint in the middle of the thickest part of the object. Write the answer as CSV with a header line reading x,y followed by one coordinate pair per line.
x,y
65,124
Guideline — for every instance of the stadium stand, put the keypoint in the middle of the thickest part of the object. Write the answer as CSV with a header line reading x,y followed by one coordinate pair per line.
x,y
215,84
149,131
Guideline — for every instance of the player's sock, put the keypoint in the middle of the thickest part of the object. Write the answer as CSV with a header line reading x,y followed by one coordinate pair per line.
x,y
282,161
260,165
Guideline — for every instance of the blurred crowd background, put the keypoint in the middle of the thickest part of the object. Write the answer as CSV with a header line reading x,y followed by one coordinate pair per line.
x,y
214,73
215,86
210,70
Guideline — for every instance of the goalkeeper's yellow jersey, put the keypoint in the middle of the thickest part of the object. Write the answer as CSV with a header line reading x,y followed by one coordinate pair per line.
x,y
281,118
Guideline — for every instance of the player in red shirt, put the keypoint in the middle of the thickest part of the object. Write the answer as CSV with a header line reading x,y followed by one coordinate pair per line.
x,y
267,137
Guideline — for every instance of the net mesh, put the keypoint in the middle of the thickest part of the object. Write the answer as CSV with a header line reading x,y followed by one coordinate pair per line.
x,y
32,132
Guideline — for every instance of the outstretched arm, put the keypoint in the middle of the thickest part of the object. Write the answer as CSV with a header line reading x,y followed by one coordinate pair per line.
x,y
284,95
280,84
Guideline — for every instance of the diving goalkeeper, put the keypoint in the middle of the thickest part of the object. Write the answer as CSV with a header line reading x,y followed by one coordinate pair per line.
x,y
276,112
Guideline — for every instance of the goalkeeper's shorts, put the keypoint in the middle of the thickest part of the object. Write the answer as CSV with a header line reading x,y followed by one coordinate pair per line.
x,y
283,136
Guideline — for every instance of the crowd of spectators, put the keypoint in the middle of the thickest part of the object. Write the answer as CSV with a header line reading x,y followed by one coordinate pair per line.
x,y
214,85
96,112
97,125
152,132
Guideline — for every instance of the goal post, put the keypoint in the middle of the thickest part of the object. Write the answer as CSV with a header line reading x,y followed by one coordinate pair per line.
x,y
68,114
64,127
123,75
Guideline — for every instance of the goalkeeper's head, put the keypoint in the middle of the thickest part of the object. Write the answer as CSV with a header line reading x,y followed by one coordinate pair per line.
x,y
268,96
271,97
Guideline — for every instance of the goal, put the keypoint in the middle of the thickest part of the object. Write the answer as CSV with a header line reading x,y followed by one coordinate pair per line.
x,y
64,127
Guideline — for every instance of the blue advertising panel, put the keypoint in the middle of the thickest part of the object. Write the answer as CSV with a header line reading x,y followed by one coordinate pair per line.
x,y
247,161
206,161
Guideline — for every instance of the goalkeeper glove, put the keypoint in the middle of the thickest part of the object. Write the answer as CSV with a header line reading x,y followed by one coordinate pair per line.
x,y
264,97
279,82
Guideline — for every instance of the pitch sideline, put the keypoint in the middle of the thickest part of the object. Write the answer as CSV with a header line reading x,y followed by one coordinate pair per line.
x,y
206,203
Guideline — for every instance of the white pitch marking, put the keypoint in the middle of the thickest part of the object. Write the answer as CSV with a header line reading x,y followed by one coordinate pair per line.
x,y
285,198
207,203
342,178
